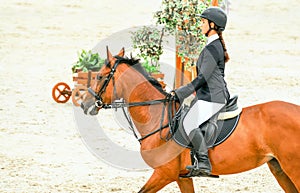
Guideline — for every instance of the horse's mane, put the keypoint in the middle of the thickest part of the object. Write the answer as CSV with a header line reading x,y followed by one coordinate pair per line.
x,y
135,63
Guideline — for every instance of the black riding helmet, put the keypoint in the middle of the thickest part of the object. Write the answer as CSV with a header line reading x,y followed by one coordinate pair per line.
x,y
216,15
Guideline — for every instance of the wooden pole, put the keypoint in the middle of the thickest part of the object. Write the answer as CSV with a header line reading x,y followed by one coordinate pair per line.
x,y
178,81
214,2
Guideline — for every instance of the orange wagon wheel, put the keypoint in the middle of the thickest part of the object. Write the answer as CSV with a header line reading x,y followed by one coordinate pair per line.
x,y
78,94
61,92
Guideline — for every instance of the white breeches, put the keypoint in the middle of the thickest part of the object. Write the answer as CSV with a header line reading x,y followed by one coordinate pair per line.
x,y
200,112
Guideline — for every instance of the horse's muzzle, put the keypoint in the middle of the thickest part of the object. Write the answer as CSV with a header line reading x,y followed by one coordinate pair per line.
x,y
92,110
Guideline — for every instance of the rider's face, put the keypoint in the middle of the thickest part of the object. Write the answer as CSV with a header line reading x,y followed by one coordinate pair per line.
x,y
204,26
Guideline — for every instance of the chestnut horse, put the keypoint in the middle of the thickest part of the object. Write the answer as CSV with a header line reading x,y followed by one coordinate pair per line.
x,y
266,133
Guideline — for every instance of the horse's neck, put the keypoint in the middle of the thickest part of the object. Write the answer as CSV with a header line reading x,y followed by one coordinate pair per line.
x,y
136,88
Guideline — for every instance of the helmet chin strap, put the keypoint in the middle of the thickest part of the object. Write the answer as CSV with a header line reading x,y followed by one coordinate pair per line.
x,y
206,34
210,28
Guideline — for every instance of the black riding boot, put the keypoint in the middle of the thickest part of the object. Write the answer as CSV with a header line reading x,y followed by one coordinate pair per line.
x,y
202,166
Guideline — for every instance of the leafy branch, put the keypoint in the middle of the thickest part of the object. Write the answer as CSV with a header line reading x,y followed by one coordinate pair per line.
x,y
148,40
180,17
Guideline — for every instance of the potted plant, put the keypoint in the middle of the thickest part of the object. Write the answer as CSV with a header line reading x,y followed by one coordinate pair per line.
x,y
148,41
87,61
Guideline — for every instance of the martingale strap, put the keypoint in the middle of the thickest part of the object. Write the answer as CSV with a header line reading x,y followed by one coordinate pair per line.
x,y
167,104
123,105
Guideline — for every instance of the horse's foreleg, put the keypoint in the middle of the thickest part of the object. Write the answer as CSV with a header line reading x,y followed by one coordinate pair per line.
x,y
283,180
157,181
186,185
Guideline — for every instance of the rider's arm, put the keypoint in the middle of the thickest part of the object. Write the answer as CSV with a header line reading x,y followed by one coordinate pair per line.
x,y
207,64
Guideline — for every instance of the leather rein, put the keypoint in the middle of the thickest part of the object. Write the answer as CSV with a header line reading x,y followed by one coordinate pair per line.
x,y
168,102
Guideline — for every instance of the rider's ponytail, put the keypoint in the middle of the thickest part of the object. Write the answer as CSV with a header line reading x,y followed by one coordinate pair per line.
x,y
226,55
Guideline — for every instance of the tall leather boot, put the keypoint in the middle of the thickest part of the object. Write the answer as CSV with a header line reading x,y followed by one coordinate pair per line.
x,y
210,131
202,166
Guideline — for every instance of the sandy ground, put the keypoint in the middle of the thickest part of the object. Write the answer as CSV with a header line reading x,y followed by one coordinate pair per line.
x,y
40,147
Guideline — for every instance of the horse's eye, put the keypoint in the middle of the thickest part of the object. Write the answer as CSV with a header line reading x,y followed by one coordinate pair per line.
x,y
99,77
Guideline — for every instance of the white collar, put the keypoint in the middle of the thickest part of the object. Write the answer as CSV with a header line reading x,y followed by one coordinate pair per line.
x,y
212,38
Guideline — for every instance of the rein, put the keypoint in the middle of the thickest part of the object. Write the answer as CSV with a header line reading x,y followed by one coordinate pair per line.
x,y
168,102
115,105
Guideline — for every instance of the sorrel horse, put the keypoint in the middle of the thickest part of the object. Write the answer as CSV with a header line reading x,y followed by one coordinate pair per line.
x,y
266,133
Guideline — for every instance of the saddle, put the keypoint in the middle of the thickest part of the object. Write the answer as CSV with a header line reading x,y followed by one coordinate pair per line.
x,y
230,110
227,121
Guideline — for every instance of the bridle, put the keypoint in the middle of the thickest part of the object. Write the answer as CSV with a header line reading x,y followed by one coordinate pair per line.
x,y
167,101
99,101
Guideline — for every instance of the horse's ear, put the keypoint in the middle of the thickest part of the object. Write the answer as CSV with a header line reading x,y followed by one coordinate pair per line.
x,y
122,52
109,55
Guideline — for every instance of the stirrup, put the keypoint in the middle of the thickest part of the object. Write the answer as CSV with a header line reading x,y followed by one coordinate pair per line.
x,y
190,175
193,172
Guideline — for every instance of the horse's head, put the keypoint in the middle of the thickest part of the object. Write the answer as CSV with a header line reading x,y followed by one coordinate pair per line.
x,y
104,88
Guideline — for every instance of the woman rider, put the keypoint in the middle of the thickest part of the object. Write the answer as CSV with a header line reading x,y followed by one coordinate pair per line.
x,y
211,90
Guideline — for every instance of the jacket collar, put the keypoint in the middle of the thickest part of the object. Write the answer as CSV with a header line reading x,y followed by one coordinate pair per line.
x,y
212,38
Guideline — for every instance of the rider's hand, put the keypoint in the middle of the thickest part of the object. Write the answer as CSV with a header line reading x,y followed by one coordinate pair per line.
x,y
172,96
172,93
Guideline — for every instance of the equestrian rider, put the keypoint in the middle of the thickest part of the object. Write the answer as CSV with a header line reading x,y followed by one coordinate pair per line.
x,y
211,90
